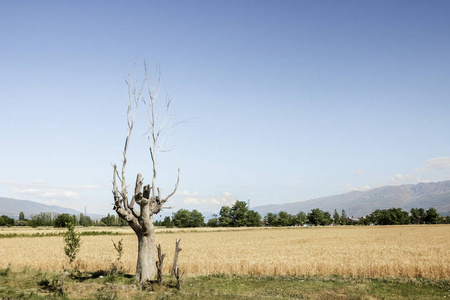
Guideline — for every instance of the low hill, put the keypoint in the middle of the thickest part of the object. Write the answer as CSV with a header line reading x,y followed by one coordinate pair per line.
x,y
12,207
357,203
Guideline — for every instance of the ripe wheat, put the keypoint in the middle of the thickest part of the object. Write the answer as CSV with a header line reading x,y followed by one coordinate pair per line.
x,y
384,251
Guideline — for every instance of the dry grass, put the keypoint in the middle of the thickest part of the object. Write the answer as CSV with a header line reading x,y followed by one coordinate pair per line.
x,y
52,230
120,230
373,252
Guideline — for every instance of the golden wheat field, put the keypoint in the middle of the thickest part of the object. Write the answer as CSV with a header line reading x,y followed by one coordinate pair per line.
x,y
376,251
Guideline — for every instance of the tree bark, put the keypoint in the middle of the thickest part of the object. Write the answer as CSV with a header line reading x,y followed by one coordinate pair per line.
x,y
160,263
175,257
145,267
175,269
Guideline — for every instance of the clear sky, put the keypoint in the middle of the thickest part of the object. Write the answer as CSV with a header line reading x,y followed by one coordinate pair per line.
x,y
283,100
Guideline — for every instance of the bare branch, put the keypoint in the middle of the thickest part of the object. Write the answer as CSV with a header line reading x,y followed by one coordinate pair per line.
x,y
115,191
174,190
117,173
133,97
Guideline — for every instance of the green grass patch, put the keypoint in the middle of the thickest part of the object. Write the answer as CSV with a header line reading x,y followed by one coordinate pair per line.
x,y
35,284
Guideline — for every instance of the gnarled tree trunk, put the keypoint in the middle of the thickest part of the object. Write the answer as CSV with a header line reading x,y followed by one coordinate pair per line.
x,y
145,267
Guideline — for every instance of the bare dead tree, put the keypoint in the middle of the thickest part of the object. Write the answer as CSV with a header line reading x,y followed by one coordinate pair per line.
x,y
148,197
159,264
175,257
175,270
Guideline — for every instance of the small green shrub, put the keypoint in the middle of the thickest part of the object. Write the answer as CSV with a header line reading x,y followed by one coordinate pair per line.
x,y
118,266
72,242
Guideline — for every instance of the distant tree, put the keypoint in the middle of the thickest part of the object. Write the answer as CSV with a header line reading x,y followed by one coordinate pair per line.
x,y
418,215
213,222
6,221
225,219
364,221
41,219
85,220
393,216
239,213
22,221
62,219
343,218
301,218
422,214
184,218
110,220
399,216
271,219
336,218
167,222
253,219
326,219
283,219
181,218
377,217
316,216
432,217
196,219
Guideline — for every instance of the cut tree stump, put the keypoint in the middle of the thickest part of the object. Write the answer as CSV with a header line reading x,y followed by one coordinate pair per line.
x,y
175,269
159,264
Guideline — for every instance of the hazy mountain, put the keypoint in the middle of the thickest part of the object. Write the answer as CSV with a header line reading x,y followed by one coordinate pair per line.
x,y
12,207
356,203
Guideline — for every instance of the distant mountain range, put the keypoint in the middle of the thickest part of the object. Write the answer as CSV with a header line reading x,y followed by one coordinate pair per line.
x,y
358,204
12,207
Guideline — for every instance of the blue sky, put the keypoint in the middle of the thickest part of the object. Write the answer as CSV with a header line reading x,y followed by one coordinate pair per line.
x,y
283,100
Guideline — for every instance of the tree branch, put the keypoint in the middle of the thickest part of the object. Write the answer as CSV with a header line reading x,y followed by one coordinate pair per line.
x,y
174,190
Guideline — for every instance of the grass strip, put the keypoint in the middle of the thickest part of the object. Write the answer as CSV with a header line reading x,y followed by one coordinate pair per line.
x,y
47,234
35,284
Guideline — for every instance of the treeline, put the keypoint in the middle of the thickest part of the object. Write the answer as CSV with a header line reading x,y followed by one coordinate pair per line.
x,y
239,215
396,216
60,220
392,216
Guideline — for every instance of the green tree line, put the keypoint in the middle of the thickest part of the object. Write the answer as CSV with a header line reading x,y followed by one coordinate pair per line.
x,y
59,220
239,215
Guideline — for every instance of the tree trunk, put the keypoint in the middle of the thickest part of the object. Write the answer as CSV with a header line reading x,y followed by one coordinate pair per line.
x,y
175,257
160,263
145,268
